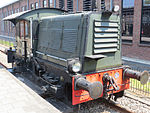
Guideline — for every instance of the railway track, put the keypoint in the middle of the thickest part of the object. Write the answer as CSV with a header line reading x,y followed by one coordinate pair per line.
x,y
102,106
3,58
112,106
117,107
2,65
3,51
67,109
108,106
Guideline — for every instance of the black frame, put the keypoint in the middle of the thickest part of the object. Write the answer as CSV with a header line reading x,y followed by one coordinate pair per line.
x,y
141,36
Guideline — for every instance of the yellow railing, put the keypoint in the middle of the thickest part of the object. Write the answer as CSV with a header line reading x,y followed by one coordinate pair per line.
x,y
6,43
137,87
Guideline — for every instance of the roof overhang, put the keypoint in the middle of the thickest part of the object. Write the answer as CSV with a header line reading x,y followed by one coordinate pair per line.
x,y
35,14
14,17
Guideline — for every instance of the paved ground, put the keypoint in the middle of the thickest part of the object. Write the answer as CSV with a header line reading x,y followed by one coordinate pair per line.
x,y
3,48
137,64
3,57
16,97
32,101
32,104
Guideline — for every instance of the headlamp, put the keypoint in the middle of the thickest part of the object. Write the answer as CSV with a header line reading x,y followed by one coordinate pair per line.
x,y
74,65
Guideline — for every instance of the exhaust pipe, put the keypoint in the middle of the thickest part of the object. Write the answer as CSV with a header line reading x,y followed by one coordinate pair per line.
x,y
141,76
95,89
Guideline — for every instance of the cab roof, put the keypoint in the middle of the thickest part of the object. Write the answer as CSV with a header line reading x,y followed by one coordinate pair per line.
x,y
34,14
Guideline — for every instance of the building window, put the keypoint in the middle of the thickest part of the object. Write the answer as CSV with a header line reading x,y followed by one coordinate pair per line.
x,y
127,20
23,8
128,3
22,29
54,3
51,3
15,10
6,14
18,10
145,24
146,2
70,5
10,12
32,6
36,5
77,5
103,5
61,4
44,3
89,5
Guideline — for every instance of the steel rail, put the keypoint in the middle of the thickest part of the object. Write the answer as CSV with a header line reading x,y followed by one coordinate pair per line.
x,y
116,106
3,52
136,97
3,65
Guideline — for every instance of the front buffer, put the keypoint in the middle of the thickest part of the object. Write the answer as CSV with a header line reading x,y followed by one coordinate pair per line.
x,y
102,84
112,82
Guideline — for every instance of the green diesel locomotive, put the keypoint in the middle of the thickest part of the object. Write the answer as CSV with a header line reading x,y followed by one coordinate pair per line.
x,y
77,56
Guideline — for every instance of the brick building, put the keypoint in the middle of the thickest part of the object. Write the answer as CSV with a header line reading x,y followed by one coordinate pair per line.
x,y
135,19
135,29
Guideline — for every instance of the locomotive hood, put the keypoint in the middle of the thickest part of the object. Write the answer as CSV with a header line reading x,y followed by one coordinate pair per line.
x,y
91,37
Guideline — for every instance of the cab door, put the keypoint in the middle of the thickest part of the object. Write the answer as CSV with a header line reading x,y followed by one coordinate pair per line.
x,y
23,41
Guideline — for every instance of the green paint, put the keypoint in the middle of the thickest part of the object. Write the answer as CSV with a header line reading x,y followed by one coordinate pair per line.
x,y
72,36
112,59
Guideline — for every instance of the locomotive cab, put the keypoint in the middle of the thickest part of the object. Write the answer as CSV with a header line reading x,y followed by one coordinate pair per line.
x,y
77,56
26,25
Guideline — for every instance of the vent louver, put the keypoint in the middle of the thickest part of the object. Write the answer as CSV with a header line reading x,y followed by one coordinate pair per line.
x,y
105,37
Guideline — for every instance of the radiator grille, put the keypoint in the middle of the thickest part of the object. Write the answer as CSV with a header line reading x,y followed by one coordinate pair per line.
x,y
105,37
